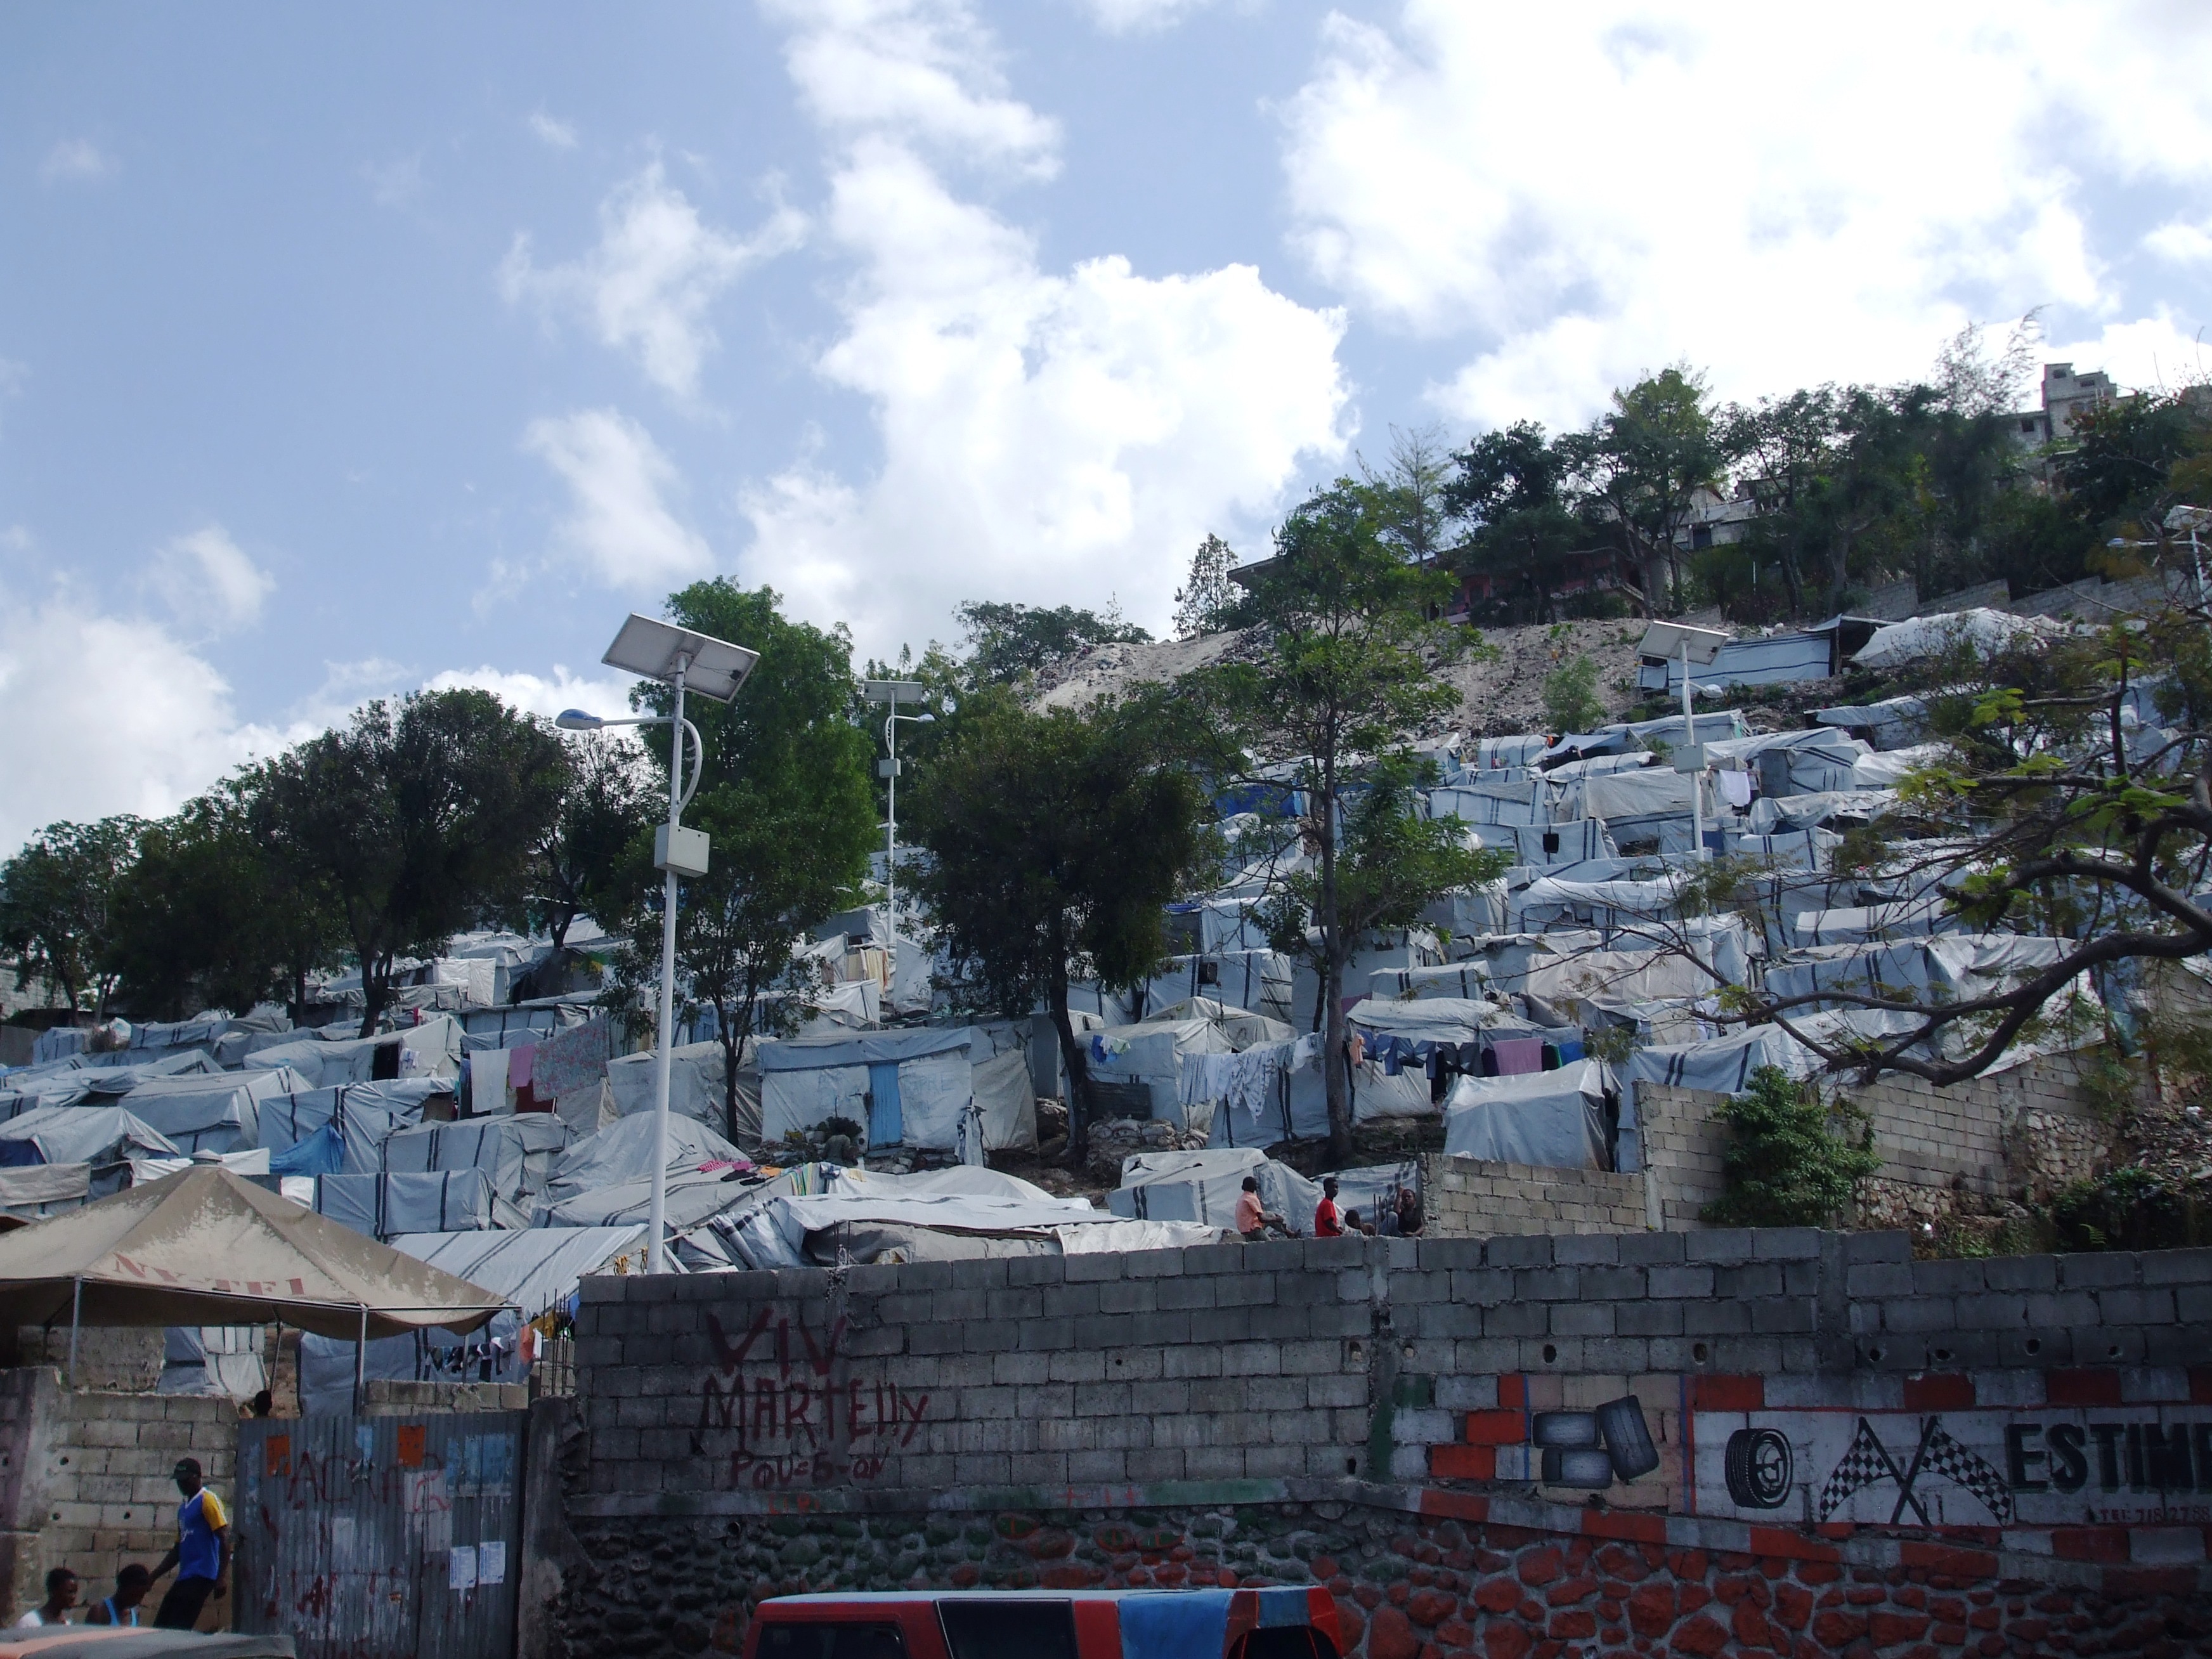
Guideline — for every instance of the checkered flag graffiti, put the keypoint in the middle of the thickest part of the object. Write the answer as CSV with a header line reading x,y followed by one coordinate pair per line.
x,y
1948,1458
1865,1461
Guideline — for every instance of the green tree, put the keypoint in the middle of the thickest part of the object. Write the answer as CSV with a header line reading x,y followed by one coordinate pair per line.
x,y
1411,492
1783,1166
1642,464
417,819
1007,641
1208,603
1570,699
1056,839
784,799
209,916
1510,487
2122,457
57,908
582,863
1343,672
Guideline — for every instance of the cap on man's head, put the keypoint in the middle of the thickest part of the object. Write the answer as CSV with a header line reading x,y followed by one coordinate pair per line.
x,y
187,1465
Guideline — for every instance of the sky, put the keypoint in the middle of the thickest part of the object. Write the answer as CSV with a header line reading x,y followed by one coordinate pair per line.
x,y
349,351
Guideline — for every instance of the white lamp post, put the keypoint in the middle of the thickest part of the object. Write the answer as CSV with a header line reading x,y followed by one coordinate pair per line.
x,y
895,692
713,668
1702,646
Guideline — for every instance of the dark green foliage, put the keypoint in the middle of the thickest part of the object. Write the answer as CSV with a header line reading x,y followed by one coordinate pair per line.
x,y
56,907
418,820
1511,490
210,917
2129,1209
1006,642
786,806
582,862
1208,602
1784,1166
1054,840
2123,453
1570,699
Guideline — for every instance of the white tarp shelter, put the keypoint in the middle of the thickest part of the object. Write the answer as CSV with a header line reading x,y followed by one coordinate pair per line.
x,y
438,1201
517,1153
907,1088
217,1113
1553,1120
1983,631
695,1085
432,1049
1204,1187
623,1151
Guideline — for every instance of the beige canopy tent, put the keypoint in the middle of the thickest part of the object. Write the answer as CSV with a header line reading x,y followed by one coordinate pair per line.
x,y
204,1247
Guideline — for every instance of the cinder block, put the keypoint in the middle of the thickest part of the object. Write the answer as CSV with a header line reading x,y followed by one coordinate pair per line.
x,y
1755,1279
1694,1282
2098,1271
1861,1248
2176,1267
2152,1305
1920,1314
1720,1244
1786,1244
1948,1277
1592,1250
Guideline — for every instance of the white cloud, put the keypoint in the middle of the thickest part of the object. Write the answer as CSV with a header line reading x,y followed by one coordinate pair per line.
x,y
208,583
618,527
1140,16
395,183
541,696
921,71
554,134
102,713
1047,437
1784,200
647,287
76,160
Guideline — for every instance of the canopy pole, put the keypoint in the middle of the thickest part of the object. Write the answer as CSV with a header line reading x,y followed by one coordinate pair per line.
x,y
361,1364
76,1313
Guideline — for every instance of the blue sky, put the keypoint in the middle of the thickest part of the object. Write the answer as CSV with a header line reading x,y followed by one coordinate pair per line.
x,y
348,350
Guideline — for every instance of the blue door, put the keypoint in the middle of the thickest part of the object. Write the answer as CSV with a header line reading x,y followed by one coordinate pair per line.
x,y
885,1125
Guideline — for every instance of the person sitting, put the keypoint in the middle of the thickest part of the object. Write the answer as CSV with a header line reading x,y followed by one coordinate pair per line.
x,y
1252,1221
61,1596
122,1608
1409,1213
1328,1221
1352,1223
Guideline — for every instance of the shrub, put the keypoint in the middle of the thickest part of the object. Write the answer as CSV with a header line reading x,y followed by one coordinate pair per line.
x,y
1570,699
1785,1167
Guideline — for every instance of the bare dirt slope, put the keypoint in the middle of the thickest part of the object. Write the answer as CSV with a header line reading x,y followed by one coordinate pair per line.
x,y
1500,688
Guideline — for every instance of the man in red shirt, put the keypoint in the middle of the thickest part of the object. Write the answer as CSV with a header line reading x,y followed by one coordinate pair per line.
x,y
1329,1222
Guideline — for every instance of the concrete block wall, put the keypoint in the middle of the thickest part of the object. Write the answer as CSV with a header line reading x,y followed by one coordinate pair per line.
x,y
85,1478
1475,1197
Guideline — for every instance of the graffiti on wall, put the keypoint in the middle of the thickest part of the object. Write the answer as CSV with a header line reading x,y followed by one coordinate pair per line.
x,y
785,1408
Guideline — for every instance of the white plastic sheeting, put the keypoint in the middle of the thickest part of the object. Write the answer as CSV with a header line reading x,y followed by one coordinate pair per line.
x,y
922,1226
1204,1186
517,1153
440,1201
999,1054
695,1085
1571,843
1874,923
1985,632
99,1135
1257,980
1772,812
220,1113
222,1360
1885,770
432,1049
366,1115
907,1088
1557,988
538,1268
625,1151
1950,967
1150,1053
1553,1120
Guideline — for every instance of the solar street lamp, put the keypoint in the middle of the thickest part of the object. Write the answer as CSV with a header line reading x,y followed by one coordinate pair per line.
x,y
1701,645
688,661
894,692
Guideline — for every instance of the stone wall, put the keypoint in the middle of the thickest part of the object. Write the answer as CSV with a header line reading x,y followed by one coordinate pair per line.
x,y
85,1479
2033,1126
1475,1197
1715,1439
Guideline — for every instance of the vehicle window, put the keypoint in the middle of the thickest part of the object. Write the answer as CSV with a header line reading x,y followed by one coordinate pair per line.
x,y
1008,1630
831,1639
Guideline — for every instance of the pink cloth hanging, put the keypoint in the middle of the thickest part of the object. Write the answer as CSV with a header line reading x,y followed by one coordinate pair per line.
x,y
1518,1056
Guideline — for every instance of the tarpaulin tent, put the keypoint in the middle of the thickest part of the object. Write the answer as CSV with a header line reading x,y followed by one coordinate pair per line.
x,y
1949,967
1204,1187
692,1196
211,1113
1256,980
907,1088
221,1360
1983,631
1570,843
696,1079
355,1118
1596,904
517,1152
1526,802
1554,1119
533,1271
439,1201
1862,924
1382,1088
1802,763
1886,771
105,1137
209,1248
432,1049
1463,980
34,1192
1893,723
943,1226
1772,812
624,1150
1144,1063
1558,988
999,1054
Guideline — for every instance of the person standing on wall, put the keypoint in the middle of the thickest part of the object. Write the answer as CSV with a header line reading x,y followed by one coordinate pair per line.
x,y
201,1555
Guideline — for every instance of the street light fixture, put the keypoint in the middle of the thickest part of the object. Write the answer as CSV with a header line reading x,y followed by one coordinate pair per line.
x,y
894,692
1701,645
688,661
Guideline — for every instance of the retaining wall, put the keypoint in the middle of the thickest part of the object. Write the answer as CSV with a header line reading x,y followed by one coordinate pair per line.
x,y
85,1481
1811,1426
1474,1198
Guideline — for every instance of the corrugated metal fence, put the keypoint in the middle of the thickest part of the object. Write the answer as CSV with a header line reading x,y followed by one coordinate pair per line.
x,y
382,1538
